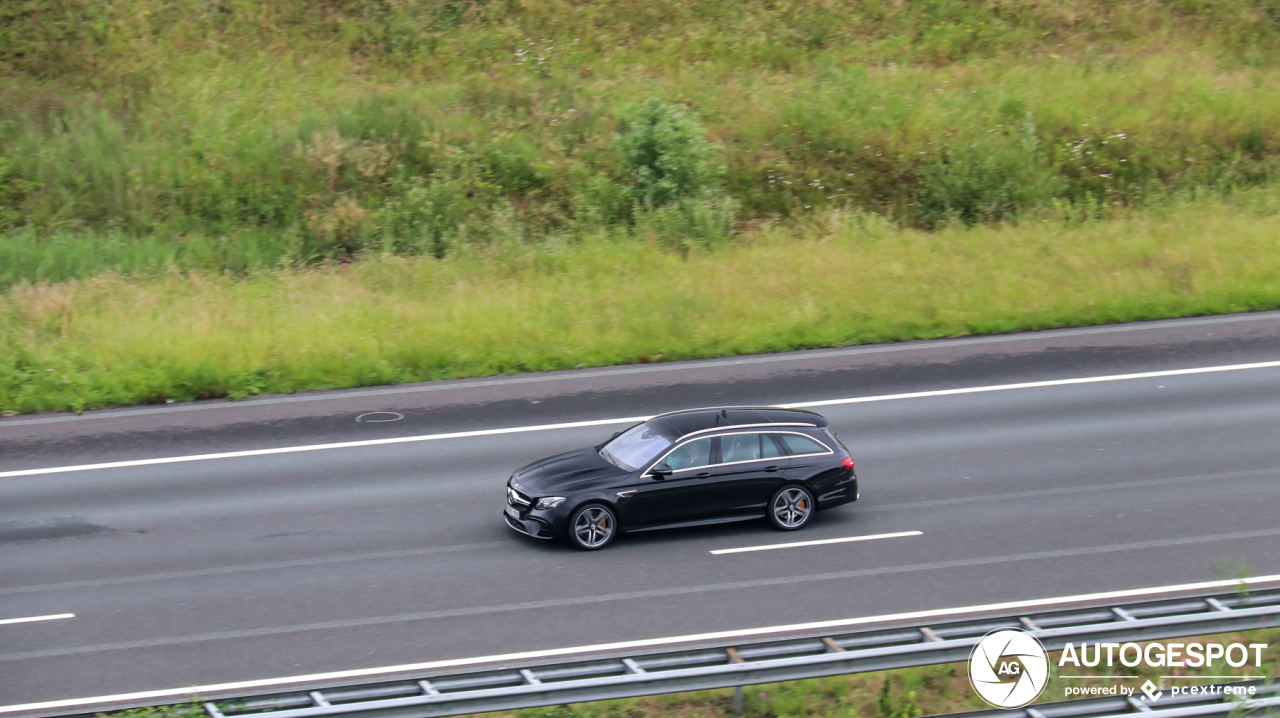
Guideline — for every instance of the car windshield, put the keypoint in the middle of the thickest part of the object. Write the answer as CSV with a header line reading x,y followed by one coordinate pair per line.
x,y
634,447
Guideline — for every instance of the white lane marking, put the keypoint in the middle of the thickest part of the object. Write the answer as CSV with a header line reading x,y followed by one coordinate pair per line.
x,y
316,447
32,619
1038,384
643,643
822,542
630,419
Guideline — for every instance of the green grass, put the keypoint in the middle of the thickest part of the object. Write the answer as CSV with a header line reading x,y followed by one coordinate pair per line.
x,y
147,135
843,278
220,198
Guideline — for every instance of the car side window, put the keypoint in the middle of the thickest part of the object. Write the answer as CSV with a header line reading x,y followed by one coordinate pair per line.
x,y
740,447
691,455
803,444
769,446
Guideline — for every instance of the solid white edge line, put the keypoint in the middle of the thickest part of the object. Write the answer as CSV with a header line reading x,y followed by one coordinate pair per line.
x,y
820,542
32,619
643,643
317,447
1038,384
630,419
605,422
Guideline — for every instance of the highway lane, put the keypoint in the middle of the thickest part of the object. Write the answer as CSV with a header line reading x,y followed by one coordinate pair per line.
x,y
268,566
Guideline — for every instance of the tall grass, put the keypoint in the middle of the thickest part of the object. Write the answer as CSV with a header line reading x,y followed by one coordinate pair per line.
x,y
348,127
848,278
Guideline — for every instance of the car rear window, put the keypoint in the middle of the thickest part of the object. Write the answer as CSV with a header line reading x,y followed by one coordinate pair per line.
x,y
803,445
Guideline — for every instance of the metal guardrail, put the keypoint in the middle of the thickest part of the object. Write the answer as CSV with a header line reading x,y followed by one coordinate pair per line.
x,y
756,663
1265,702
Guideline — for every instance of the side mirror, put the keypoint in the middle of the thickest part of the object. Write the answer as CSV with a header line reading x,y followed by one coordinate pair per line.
x,y
661,471
616,434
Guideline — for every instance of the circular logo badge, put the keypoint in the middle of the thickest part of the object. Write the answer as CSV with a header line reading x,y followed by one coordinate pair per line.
x,y
1008,668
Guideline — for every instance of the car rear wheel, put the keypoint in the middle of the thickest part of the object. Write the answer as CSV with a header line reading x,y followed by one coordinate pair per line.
x,y
791,508
592,527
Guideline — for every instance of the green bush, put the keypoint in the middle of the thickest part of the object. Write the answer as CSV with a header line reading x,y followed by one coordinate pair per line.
x,y
426,219
600,201
13,189
986,180
686,222
666,154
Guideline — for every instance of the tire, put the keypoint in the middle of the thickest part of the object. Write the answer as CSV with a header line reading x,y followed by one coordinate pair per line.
x,y
592,527
791,508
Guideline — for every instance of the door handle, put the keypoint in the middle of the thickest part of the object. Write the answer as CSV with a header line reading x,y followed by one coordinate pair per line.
x,y
703,475
771,469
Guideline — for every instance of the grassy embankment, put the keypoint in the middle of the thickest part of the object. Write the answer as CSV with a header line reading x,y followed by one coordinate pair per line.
x,y
903,693
487,164
849,279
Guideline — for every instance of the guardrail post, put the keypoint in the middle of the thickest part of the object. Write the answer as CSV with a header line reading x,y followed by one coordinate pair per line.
x,y
737,690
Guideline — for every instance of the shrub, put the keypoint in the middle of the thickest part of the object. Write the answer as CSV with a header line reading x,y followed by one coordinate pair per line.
x,y
666,154
13,190
991,179
600,201
340,229
688,222
425,218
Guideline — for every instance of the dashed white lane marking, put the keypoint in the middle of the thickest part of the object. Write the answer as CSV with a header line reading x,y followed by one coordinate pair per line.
x,y
821,542
33,619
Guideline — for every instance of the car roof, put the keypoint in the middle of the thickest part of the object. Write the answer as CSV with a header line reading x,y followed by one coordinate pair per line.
x,y
681,423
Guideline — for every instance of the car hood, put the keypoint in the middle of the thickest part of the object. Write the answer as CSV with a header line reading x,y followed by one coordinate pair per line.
x,y
570,471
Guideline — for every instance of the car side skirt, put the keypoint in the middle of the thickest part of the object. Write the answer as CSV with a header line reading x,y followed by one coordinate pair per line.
x,y
703,522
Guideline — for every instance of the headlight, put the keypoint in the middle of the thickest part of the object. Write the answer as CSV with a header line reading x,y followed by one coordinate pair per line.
x,y
549,502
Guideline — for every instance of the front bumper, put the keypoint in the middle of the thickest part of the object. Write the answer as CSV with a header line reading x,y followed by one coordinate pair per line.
x,y
522,514
528,526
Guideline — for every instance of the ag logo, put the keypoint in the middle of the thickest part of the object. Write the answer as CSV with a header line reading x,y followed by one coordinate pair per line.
x,y
1008,668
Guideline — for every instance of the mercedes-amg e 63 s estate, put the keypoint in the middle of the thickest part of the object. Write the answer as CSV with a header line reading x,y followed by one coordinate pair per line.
x,y
686,468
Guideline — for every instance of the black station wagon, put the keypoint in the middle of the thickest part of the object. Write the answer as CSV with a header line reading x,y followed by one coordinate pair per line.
x,y
686,468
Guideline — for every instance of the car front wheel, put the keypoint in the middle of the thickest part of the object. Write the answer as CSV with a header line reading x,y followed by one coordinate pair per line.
x,y
791,508
592,527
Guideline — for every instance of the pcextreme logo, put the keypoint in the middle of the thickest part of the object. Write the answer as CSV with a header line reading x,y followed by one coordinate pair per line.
x,y
1008,668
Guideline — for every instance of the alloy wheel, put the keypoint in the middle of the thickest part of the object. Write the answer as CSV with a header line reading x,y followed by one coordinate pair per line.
x,y
593,527
791,508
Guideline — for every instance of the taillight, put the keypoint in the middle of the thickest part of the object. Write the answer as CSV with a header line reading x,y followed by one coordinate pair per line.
x,y
847,463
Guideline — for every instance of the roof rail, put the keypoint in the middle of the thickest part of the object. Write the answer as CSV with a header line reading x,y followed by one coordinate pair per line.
x,y
731,427
758,407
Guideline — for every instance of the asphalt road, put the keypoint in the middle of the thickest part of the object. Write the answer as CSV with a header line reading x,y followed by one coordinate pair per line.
x,y
298,563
